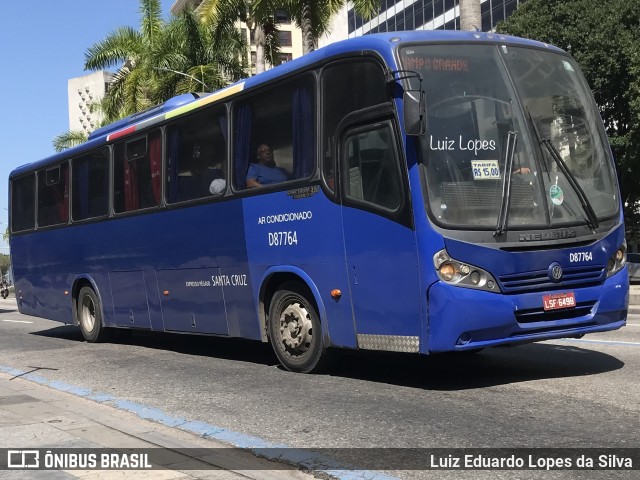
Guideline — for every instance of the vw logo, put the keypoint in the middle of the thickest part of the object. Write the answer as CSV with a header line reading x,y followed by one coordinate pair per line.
x,y
555,272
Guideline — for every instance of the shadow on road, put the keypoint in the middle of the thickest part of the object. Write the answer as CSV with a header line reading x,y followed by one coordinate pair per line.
x,y
496,366
67,332
199,345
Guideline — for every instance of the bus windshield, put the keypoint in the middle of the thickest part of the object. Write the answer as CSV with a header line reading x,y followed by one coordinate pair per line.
x,y
491,111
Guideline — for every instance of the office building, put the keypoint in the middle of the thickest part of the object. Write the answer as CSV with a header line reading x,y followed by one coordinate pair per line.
x,y
398,15
83,92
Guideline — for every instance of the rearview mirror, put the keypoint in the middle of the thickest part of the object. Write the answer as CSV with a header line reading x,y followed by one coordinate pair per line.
x,y
415,112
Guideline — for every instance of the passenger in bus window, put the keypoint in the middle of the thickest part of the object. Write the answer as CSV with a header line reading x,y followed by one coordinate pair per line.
x,y
265,171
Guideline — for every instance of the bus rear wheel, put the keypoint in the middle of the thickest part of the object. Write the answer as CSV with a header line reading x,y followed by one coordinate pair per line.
x,y
294,330
89,314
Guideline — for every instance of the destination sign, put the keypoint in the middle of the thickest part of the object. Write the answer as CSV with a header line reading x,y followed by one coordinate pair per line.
x,y
443,64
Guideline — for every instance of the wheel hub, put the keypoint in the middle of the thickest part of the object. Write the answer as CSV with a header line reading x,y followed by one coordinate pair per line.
x,y
295,326
87,316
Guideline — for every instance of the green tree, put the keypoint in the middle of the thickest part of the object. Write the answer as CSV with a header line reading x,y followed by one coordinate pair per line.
x,y
188,57
162,59
257,15
604,39
130,90
5,263
313,16
68,139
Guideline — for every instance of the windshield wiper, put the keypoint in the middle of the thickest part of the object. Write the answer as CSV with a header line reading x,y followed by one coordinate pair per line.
x,y
510,150
592,218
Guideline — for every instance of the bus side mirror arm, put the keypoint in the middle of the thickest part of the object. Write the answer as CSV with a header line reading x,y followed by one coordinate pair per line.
x,y
413,100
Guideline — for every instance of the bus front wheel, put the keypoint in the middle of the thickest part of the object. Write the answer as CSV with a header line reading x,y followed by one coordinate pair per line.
x,y
294,330
89,314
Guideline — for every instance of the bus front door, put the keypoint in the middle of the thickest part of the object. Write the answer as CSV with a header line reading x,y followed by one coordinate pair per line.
x,y
379,239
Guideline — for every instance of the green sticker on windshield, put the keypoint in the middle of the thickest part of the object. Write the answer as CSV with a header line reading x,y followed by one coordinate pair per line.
x,y
557,197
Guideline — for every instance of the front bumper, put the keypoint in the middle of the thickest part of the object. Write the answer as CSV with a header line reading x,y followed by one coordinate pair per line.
x,y
465,319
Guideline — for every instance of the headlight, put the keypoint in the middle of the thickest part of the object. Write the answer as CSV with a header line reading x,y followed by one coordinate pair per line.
x,y
617,260
462,274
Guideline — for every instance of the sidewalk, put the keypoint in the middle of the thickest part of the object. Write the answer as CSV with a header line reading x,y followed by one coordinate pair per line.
x,y
38,417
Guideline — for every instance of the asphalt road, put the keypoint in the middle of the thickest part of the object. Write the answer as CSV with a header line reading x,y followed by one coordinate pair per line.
x,y
564,393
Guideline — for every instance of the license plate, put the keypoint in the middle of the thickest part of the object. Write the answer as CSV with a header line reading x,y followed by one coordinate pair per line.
x,y
557,301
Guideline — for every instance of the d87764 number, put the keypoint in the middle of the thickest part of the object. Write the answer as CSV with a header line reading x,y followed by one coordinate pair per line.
x,y
279,239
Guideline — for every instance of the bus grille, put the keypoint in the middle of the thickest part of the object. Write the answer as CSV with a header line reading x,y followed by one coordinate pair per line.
x,y
482,195
533,315
539,280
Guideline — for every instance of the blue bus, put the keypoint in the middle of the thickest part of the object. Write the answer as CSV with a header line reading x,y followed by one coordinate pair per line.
x,y
413,192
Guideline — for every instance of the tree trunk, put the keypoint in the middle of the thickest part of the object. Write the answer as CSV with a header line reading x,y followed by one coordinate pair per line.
x,y
470,18
259,39
309,42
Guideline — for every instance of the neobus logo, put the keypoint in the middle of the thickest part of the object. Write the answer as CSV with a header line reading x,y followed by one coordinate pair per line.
x,y
552,235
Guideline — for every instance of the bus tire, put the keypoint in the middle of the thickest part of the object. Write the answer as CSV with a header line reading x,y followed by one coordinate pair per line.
x,y
89,313
295,332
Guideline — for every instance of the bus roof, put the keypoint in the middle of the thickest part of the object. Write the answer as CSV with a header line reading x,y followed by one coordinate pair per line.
x,y
382,43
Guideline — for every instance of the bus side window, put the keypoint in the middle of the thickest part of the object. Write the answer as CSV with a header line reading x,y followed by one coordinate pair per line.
x,y
196,157
371,167
352,95
23,197
90,187
137,173
53,195
281,118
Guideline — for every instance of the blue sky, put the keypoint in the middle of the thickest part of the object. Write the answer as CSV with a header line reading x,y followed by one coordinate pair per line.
x,y
42,45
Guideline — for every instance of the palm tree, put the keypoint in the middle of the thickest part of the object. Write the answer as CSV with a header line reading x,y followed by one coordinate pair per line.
x,y
313,16
258,15
189,58
163,59
130,88
470,15
68,139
